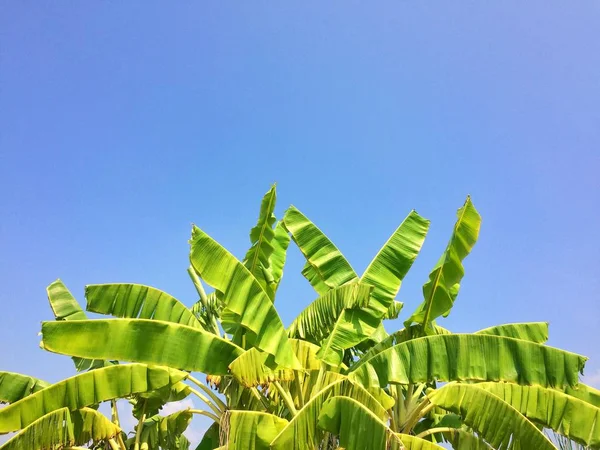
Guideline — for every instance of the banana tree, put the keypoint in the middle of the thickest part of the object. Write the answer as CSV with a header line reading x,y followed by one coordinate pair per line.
x,y
334,377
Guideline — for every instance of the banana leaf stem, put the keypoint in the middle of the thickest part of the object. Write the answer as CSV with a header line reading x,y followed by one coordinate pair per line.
x,y
222,406
435,430
287,399
205,413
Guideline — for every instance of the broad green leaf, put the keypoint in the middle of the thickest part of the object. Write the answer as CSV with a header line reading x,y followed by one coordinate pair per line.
x,y
464,440
63,428
136,301
15,386
250,430
302,432
317,320
391,264
491,417
394,310
85,389
166,432
470,357
441,289
360,429
257,259
149,403
211,439
140,340
281,242
584,392
65,307
530,331
306,353
243,297
569,416
250,369
326,264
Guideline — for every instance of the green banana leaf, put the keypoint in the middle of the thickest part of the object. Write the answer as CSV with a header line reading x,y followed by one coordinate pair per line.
x,y
281,242
211,439
569,416
326,266
250,369
302,432
250,430
491,417
65,307
85,389
359,429
257,259
470,357
441,289
584,392
532,331
151,402
141,340
464,440
63,428
136,301
203,310
317,320
166,432
15,386
243,297
306,353
394,310
391,264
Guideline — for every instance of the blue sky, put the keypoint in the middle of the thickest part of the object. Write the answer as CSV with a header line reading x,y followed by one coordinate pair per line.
x,y
121,123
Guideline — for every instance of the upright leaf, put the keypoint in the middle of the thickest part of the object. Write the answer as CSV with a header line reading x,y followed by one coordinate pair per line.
x,y
166,432
257,259
14,386
492,418
135,301
470,357
141,340
326,266
85,389
245,300
281,241
441,289
249,430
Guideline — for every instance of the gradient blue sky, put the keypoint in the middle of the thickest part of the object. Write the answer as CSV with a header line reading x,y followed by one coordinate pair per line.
x,y
123,122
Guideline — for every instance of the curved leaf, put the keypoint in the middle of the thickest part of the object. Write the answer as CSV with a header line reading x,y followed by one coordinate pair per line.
x,y
136,301
391,264
86,389
243,297
492,418
15,386
463,440
306,353
140,340
166,432
211,439
65,307
302,433
470,357
584,392
63,428
570,416
359,429
317,320
441,289
250,430
257,259
532,331
250,369
281,242
326,266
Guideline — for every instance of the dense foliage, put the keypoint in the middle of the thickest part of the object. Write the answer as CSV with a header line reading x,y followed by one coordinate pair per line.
x,y
334,378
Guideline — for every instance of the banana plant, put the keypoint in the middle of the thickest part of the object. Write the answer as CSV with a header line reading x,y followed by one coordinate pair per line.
x,y
333,378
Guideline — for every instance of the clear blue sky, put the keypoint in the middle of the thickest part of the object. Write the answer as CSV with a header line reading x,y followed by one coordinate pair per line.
x,y
123,122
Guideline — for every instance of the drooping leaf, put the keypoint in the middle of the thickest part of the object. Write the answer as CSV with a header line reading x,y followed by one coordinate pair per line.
x,y
441,289
302,432
211,439
491,417
250,430
136,301
15,386
394,310
306,353
584,392
281,241
85,389
391,264
166,432
149,403
461,439
243,297
470,357
325,263
65,307
569,416
142,340
257,259
358,428
531,331
250,369
61,428
317,320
